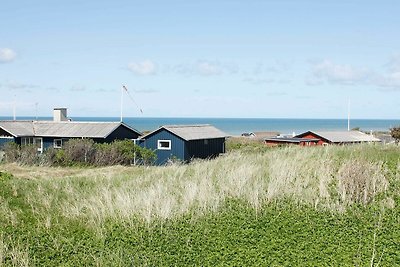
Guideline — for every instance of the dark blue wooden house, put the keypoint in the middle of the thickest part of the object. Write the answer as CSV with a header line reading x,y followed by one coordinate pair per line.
x,y
46,134
184,142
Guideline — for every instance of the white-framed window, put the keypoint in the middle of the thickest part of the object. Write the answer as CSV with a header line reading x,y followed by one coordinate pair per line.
x,y
164,144
58,143
36,141
26,141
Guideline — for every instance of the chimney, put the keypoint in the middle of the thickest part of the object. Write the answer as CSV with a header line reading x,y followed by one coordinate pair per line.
x,y
60,114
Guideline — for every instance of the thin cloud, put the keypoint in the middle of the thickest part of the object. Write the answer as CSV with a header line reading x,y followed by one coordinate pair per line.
x,y
207,68
329,72
102,90
78,88
389,81
204,68
146,67
258,81
145,91
394,64
52,88
7,55
19,86
274,67
276,93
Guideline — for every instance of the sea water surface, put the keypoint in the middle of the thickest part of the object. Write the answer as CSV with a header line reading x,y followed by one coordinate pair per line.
x,y
237,126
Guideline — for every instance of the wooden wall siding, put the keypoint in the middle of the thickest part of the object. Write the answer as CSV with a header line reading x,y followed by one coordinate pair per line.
x,y
121,133
278,143
198,148
177,146
4,141
48,142
4,133
313,136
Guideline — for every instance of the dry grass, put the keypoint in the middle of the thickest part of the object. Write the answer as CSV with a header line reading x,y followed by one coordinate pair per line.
x,y
14,251
315,176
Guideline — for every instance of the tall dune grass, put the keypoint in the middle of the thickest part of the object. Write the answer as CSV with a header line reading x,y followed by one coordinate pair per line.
x,y
13,250
330,178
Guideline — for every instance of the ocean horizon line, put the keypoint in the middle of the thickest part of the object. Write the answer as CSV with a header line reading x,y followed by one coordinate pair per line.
x,y
237,126
195,117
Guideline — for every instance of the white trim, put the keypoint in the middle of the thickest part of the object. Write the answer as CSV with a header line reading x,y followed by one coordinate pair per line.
x,y
6,137
160,147
32,141
55,145
40,149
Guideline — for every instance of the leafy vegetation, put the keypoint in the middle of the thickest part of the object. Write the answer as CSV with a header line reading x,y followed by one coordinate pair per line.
x,y
277,207
395,133
82,152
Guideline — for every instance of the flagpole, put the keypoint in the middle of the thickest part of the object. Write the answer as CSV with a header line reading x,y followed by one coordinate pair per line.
x,y
348,115
14,108
122,100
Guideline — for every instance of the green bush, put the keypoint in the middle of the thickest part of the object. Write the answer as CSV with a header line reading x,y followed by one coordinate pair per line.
x,y
24,155
80,151
147,156
11,152
395,133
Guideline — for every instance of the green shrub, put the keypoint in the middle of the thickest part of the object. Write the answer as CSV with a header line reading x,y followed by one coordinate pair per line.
x,y
80,151
11,152
147,156
395,133
25,155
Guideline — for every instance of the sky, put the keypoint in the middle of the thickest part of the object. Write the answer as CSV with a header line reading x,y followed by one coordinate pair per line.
x,y
243,59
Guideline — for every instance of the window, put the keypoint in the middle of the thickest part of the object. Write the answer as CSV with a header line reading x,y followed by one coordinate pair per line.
x,y
58,143
164,144
27,141
206,141
35,141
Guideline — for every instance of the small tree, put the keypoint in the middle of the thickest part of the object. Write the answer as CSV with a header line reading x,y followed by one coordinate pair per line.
x,y
395,133
80,151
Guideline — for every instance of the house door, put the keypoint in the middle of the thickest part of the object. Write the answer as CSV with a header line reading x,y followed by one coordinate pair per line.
x,y
38,143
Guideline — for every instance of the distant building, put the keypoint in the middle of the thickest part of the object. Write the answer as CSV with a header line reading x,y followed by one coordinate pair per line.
x,y
46,134
338,137
251,134
184,142
279,141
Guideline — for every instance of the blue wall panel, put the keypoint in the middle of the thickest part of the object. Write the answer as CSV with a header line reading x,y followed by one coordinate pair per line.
x,y
48,142
206,148
4,141
181,149
121,133
177,146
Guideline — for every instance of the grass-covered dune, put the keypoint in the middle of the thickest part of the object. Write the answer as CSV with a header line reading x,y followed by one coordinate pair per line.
x,y
321,206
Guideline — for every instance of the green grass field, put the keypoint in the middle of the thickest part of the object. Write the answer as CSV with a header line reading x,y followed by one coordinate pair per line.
x,y
321,206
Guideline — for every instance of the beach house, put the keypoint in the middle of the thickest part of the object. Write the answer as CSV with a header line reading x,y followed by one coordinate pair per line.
x,y
338,137
46,134
184,142
279,141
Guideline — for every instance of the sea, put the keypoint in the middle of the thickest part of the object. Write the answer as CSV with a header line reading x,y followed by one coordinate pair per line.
x,y
237,126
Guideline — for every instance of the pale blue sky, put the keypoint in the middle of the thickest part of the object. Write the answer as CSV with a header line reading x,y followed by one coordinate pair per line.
x,y
270,59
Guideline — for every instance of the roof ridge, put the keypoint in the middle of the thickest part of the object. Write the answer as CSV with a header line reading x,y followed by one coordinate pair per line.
x,y
186,126
70,122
